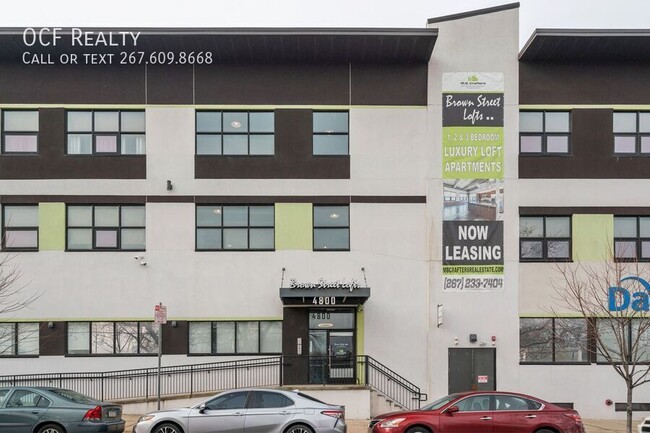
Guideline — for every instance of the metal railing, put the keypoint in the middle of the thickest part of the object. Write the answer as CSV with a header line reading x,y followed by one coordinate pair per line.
x,y
209,377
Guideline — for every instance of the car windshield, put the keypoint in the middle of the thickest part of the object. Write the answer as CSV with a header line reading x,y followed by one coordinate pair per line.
x,y
440,402
73,396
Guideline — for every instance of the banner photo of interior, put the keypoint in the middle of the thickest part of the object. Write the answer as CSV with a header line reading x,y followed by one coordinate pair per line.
x,y
473,200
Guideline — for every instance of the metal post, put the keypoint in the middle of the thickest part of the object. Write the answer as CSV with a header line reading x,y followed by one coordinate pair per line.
x,y
159,358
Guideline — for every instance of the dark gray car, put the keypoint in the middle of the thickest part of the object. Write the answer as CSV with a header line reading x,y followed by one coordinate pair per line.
x,y
54,410
249,410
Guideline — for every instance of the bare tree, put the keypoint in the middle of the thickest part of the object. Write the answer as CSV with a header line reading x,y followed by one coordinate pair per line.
x,y
613,296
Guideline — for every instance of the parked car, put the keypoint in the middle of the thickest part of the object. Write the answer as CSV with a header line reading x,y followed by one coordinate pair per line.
x,y
25,409
644,426
482,412
255,410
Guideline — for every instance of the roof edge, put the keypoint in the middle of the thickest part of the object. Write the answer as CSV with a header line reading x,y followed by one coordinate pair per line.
x,y
474,13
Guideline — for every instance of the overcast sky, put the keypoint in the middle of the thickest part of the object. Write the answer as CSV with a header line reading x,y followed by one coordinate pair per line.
x,y
314,13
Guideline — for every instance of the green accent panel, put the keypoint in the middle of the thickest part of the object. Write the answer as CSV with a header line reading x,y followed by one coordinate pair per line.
x,y
592,237
51,230
293,226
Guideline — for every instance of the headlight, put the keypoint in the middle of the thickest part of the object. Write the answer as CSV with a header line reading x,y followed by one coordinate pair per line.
x,y
145,418
391,423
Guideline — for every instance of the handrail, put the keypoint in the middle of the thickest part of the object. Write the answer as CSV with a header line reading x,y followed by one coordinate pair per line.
x,y
191,379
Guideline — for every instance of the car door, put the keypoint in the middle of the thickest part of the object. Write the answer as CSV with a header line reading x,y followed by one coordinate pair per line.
x,y
21,410
268,412
515,414
223,414
473,416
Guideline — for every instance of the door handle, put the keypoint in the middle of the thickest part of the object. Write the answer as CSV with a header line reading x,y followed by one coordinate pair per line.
x,y
238,414
36,412
530,416
285,412
485,418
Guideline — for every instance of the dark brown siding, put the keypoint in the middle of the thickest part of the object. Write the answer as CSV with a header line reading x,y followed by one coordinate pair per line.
x,y
52,340
592,153
175,338
389,85
170,84
52,162
584,83
293,157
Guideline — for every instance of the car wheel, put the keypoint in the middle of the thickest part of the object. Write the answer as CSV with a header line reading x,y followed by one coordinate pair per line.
x,y
418,429
167,428
51,428
299,428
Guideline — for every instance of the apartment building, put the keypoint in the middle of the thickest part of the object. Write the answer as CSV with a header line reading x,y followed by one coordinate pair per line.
x,y
314,193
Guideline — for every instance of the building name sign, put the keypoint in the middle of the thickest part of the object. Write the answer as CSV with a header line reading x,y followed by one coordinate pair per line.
x,y
323,284
620,299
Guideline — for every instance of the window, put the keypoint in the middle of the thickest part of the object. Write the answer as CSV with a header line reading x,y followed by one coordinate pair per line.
x,y
330,133
112,338
475,403
238,227
105,132
235,133
106,227
553,340
27,398
632,133
268,400
19,339
631,238
544,132
544,238
515,402
19,131
20,228
331,228
247,337
230,401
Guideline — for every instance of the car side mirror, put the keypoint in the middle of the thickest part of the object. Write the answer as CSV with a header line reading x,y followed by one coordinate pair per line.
x,y
452,409
202,408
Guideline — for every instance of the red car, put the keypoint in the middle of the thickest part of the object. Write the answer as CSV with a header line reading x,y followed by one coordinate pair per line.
x,y
482,412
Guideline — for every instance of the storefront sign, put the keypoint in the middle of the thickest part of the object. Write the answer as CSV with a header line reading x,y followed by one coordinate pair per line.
x,y
620,299
324,293
324,284
473,161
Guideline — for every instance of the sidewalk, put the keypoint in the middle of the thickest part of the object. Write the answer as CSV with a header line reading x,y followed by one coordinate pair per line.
x,y
361,425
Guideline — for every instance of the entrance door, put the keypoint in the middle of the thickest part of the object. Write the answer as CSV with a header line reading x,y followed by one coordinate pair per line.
x,y
472,369
331,346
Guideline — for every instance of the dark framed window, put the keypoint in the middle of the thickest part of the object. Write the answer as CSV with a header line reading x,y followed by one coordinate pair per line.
x,y
235,227
19,339
112,338
331,228
95,132
331,133
20,228
544,132
634,345
631,133
544,238
19,131
631,238
553,340
105,227
235,133
238,337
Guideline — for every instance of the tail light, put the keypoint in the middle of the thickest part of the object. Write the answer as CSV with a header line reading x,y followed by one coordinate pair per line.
x,y
338,414
94,414
574,416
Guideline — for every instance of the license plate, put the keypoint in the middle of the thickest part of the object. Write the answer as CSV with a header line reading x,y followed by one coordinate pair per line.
x,y
112,413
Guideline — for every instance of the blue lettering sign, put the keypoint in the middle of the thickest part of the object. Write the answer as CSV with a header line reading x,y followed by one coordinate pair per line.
x,y
621,299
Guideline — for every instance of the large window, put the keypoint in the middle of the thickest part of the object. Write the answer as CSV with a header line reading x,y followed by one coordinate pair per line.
x,y
19,339
331,228
235,133
553,340
620,336
106,227
236,227
20,228
244,337
544,238
105,133
632,133
19,131
112,338
330,133
544,132
632,238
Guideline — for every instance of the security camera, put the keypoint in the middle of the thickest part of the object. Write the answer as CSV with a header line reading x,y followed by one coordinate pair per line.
x,y
143,263
138,257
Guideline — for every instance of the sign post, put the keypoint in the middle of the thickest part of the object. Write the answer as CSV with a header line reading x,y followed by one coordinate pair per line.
x,y
160,317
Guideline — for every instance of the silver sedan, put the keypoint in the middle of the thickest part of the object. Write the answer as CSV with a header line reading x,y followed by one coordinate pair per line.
x,y
249,411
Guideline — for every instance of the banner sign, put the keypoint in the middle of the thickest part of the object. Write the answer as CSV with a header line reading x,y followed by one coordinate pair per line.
x,y
473,162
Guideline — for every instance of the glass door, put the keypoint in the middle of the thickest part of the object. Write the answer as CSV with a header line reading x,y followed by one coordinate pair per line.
x,y
331,346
